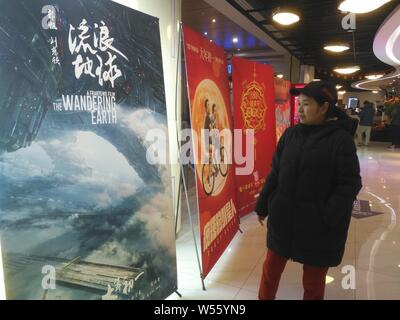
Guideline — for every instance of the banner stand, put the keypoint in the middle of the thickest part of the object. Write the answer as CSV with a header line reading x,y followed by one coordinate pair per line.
x,y
192,225
183,177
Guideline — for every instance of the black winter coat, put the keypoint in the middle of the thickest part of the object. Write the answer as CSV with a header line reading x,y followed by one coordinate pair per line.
x,y
310,192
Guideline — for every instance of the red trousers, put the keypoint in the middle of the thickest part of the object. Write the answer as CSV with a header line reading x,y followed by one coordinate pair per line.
x,y
313,278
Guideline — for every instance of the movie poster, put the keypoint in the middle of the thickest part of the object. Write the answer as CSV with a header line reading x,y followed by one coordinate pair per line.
x,y
85,208
283,106
211,119
254,105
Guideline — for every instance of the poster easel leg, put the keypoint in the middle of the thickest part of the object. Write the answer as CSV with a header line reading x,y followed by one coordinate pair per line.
x,y
183,177
178,294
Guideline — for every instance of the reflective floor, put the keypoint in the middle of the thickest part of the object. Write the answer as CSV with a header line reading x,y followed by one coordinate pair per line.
x,y
372,251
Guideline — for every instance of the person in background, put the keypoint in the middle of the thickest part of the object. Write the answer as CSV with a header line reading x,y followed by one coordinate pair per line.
x,y
342,107
356,123
379,111
366,115
309,194
395,127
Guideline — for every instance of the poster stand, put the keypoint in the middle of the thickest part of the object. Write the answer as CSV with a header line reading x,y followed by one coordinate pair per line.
x,y
191,224
183,177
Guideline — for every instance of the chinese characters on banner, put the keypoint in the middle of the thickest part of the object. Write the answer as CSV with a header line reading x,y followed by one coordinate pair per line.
x,y
208,89
283,107
83,214
254,109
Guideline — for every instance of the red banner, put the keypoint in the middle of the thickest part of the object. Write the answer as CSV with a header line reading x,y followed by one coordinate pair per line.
x,y
208,89
254,105
283,106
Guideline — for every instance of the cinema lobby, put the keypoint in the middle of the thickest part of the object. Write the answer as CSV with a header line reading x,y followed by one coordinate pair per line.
x,y
214,150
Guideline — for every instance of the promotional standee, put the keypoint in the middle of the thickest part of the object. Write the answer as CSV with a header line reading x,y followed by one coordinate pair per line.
x,y
254,105
295,105
211,118
283,106
84,212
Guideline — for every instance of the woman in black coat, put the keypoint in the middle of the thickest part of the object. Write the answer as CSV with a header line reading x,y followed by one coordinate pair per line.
x,y
309,194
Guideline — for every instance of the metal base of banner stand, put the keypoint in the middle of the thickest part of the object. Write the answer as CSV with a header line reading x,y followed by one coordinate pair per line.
x,y
183,177
178,294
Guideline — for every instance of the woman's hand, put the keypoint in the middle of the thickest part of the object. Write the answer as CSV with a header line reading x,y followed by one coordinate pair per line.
x,y
261,220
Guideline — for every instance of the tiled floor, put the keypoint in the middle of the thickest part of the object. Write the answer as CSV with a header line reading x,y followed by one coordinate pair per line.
x,y
373,247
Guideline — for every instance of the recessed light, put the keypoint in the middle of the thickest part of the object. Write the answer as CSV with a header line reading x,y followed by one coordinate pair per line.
x,y
206,33
374,76
337,48
285,17
342,92
339,87
375,91
329,279
235,40
348,70
211,41
280,76
361,6
214,20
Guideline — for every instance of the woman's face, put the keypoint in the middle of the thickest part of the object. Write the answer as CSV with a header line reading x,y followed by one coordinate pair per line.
x,y
310,112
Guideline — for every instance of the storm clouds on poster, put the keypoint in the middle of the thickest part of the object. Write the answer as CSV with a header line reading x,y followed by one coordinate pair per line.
x,y
81,82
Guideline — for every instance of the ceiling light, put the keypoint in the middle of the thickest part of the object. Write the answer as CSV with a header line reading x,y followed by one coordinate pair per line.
x,y
374,76
214,21
337,48
361,6
235,40
206,33
285,17
348,70
339,87
329,279
280,76
342,92
375,91
369,84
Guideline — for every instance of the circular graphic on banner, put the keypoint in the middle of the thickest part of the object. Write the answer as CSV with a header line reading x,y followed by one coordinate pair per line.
x,y
211,151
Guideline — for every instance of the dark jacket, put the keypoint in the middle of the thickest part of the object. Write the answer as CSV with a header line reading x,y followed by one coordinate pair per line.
x,y
367,115
395,119
310,192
